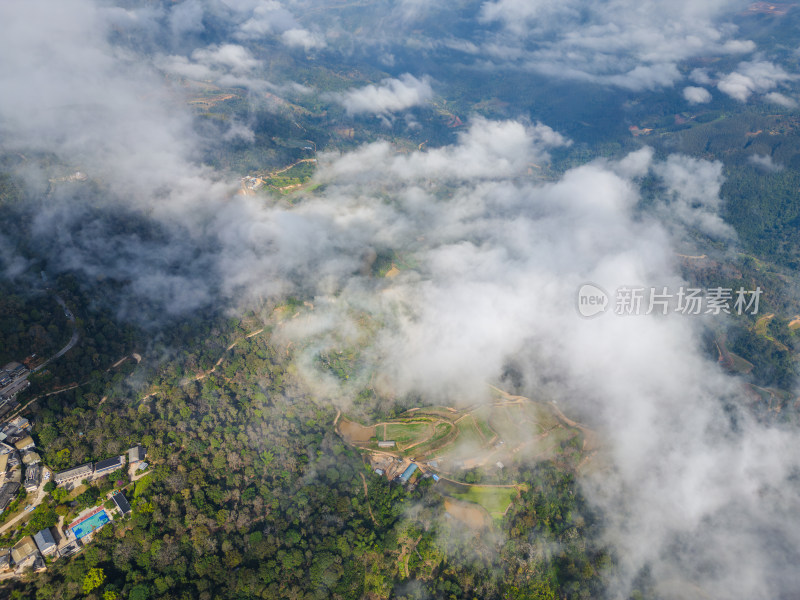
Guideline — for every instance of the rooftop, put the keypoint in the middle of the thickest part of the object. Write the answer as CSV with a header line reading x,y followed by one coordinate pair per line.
x,y
24,442
74,472
136,454
122,503
24,548
408,472
44,540
108,463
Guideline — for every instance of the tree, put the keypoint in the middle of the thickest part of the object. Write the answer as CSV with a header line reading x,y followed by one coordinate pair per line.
x,y
49,486
139,592
93,580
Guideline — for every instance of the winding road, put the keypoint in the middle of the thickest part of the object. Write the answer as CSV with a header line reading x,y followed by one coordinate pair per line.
x,y
73,340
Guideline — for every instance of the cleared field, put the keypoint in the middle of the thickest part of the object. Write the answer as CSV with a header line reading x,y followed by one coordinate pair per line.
x,y
405,434
516,423
484,428
540,414
478,437
468,433
741,365
495,500
470,514
443,412
444,434
355,433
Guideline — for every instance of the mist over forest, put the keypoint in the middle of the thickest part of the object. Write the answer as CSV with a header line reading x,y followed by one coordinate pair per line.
x,y
325,263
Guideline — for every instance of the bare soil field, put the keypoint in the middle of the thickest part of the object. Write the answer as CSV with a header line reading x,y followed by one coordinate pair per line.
x,y
355,433
472,515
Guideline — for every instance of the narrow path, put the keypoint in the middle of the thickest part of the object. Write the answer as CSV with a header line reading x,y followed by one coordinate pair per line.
x,y
204,374
366,497
294,164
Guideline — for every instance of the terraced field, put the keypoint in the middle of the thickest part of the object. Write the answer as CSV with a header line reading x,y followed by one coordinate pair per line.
x,y
451,443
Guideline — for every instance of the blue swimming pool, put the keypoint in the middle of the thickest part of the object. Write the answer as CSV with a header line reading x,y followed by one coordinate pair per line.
x,y
96,521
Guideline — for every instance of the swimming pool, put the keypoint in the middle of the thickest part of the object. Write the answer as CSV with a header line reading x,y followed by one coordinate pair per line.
x,y
96,521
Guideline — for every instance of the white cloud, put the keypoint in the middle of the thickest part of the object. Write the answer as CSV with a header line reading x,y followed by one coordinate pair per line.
x,y
231,56
270,17
302,38
780,99
764,162
625,43
700,76
693,194
696,95
486,150
700,495
391,95
754,77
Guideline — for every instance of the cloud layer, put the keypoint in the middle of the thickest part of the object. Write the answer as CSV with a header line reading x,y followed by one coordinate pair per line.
x,y
391,95
698,493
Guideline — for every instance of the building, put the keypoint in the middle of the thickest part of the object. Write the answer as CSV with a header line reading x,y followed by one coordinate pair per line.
x,y
7,494
29,457
136,454
122,503
13,459
33,477
74,474
20,422
25,443
387,444
45,542
13,379
7,405
5,559
108,465
25,549
379,471
408,473
38,564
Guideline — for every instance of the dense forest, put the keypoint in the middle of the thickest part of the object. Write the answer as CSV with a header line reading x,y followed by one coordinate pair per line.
x,y
252,495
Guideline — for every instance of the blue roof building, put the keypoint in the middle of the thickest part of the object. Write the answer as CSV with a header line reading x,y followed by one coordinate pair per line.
x,y
408,473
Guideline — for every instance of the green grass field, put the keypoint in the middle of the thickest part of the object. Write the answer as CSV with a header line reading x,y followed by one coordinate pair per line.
x,y
405,434
485,429
495,500
468,433
443,435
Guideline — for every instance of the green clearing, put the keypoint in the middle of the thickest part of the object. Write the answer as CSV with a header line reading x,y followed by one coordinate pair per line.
x,y
297,175
740,365
468,433
540,414
443,435
404,433
484,428
495,500
387,259
506,421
